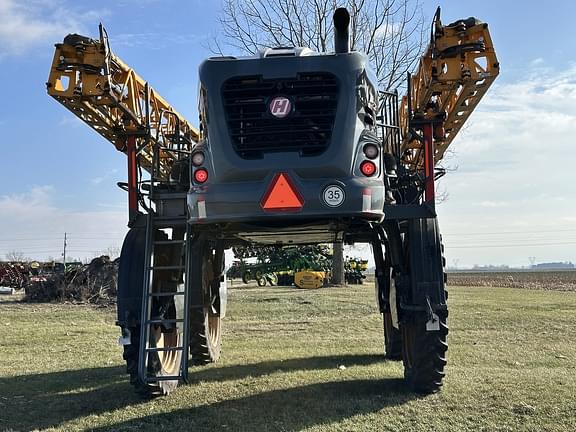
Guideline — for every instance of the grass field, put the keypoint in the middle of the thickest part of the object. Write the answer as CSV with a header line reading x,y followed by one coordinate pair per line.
x,y
512,367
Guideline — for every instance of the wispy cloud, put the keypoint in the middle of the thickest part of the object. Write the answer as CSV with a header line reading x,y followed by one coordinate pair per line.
x,y
494,204
106,176
24,25
31,222
38,196
152,40
516,169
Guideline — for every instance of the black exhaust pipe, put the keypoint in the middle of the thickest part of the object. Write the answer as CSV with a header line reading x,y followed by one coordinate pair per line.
x,y
341,35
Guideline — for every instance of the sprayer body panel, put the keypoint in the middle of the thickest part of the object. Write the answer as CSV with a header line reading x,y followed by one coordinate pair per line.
x,y
305,117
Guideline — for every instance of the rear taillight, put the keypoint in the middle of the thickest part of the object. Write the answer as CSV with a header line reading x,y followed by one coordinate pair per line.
x,y
371,151
197,158
200,175
368,168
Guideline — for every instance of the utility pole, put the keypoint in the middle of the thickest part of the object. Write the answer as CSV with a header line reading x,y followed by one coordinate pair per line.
x,y
64,253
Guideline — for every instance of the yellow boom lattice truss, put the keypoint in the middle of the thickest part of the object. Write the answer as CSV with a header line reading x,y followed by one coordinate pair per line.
x,y
111,98
454,73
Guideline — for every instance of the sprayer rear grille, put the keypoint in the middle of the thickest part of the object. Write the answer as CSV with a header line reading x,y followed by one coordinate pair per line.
x,y
307,129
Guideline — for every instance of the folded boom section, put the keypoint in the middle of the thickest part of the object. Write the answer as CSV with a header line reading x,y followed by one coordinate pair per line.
x,y
454,73
109,96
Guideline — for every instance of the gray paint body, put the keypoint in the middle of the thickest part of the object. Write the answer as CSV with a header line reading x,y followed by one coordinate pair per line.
x,y
236,186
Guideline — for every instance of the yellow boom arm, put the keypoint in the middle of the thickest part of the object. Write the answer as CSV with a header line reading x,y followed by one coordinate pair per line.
x,y
105,93
453,75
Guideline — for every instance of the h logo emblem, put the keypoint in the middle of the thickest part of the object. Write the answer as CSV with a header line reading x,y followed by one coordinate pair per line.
x,y
280,107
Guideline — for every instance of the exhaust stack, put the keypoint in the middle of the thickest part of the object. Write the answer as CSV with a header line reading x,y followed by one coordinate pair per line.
x,y
341,35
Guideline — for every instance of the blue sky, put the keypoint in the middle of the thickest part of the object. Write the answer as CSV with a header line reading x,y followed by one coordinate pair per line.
x,y
511,197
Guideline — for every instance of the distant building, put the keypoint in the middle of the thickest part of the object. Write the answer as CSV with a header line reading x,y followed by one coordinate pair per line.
x,y
490,267
553,265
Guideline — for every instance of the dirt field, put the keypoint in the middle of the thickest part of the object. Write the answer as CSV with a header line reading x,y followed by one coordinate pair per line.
x,y
542,280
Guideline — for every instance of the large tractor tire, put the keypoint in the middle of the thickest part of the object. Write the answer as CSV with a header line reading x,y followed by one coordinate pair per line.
x,y
424,333
246,277
424,353
272,278
206,320
130,289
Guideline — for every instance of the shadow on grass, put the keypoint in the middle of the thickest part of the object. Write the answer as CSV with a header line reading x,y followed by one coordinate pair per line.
x,y
215,373
30,402
290,409
41,401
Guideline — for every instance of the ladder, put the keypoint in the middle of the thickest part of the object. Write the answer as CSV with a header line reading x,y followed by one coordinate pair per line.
x,y
164,330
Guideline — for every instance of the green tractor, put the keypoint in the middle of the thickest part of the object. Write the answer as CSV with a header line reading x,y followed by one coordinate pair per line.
x,y
277,265
354,269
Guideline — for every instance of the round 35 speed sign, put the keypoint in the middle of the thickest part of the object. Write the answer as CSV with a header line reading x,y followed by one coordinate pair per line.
x,y
333,196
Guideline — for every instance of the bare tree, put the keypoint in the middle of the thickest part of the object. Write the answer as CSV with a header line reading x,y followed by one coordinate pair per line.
x,y
15,256
390,32
113,252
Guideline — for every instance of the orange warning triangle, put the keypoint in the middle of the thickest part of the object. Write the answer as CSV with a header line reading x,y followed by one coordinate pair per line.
x,y
281,195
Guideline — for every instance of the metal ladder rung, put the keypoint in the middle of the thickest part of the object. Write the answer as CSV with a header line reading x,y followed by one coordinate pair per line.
x,y
169,222
158,219
178,267
164,321
169,195
163,378
167,242
166,294
179,348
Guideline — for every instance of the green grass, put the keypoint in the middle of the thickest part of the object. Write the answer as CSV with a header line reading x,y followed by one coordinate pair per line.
x,y
512,367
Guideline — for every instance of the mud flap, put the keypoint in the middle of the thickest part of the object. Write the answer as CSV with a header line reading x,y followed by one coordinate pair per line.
x,y
393,305
223,296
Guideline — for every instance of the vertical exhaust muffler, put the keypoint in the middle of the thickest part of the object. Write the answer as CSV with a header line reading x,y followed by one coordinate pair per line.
x,y
341,34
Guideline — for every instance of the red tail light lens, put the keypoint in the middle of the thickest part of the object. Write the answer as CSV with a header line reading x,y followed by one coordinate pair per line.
x,y
200,175
368,168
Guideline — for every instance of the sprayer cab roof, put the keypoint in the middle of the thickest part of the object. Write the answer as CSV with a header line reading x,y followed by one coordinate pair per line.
x,y
285,62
